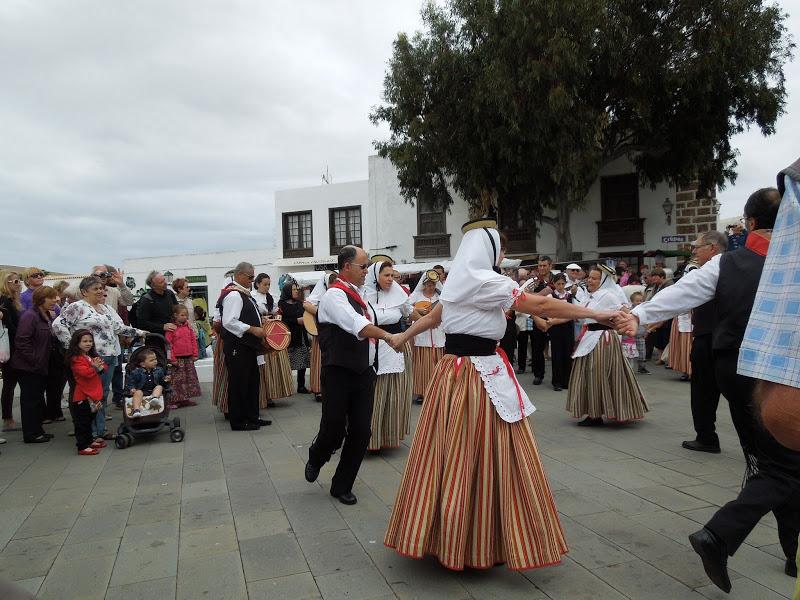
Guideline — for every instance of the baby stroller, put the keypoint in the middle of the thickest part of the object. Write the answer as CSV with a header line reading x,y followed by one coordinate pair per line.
x,y
156,414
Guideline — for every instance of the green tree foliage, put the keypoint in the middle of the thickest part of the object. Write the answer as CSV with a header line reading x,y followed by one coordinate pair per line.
x,y
523,102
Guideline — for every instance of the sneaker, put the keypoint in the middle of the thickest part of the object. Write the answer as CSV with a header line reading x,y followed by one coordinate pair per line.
x,y
643,371
89,451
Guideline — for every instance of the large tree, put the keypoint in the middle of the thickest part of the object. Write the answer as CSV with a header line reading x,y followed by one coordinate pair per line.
x,y
524,102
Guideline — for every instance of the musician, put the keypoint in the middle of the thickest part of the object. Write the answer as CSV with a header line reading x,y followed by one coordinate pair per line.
x,y
543,286
428,346
348,374
310,305
388,304
474,492
219,387
273,366
243,342
290,307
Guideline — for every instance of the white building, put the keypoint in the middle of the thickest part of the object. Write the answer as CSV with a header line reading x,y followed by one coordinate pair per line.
x,y
620,219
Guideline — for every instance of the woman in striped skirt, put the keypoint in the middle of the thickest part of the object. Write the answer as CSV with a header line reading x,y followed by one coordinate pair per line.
x,y
428,346
680,345
474,492
275,373
388,304
219,387
602,381
310,305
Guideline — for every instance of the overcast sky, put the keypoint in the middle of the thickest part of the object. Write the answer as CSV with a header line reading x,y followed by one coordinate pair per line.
x,y
152,127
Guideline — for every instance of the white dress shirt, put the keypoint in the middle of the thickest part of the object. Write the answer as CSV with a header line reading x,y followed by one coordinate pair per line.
x,y
694,289
334,308
232,310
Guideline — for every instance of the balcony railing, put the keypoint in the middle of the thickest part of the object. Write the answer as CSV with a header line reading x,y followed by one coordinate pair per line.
x,y
432,245
298,252
520,241
620,232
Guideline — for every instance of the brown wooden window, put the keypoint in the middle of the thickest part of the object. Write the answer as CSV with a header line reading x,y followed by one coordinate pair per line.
x,y
620,224
432,239
297,235
345,227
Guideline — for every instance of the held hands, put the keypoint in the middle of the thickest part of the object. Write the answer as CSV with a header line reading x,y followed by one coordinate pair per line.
x,y
169,327
626,323
396,341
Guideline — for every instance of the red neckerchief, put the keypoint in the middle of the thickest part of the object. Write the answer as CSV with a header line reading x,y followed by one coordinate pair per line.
x,y
225,291
350,292
758,241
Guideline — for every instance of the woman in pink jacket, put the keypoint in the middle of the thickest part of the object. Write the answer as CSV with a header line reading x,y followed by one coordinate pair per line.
x,y
182,354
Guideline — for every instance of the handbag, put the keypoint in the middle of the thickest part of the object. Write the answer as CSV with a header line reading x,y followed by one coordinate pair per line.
x,y
5,344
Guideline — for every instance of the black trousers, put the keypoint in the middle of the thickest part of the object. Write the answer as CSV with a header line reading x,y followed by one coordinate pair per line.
x,y
704,391
10,380
82,417
523,339
347,400
562,344
776,485
56,382
538,344
243,384
31,402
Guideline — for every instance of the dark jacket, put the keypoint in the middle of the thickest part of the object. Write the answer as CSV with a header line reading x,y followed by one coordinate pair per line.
x,y
155,310
32,343
290,312
10,317
137,379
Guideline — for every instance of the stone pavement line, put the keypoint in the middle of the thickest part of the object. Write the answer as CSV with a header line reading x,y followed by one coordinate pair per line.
x,y
229,515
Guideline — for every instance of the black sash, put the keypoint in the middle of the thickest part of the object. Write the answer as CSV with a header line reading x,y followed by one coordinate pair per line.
x,y
462,344
597,327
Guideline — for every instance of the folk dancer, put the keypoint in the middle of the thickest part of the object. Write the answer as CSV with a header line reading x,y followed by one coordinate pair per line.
x,y
474,492
428,346
388,304
219,387
602,382
772,476
347,340
273,366
310,305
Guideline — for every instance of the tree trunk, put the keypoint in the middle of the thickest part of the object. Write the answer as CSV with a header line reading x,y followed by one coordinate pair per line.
x,y
561,223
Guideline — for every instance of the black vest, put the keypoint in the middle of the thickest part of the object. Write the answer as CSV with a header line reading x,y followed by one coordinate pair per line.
x,y
248,315
341,348
703,318
739,274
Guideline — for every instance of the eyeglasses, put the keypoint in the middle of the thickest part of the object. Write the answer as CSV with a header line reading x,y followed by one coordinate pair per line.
x,y
363,267
696,245
14,281
251,277
36,275
103,275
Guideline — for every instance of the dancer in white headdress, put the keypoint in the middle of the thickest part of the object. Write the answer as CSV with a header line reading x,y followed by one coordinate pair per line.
x,y
474,492
388,303
602,382
428,346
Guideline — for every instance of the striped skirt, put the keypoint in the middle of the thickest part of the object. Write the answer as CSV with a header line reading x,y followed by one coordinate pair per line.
x,y
474,492
391,410
603,384
219,387
276,378
680,347
425,361
316,366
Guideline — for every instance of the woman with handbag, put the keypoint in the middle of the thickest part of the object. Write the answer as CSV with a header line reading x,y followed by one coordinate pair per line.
x,y
10,311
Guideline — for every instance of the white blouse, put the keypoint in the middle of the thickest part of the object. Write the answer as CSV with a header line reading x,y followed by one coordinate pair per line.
x,y
104,323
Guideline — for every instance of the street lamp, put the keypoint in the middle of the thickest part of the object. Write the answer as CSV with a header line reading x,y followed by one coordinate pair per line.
x,y
717,206
168,275
668,206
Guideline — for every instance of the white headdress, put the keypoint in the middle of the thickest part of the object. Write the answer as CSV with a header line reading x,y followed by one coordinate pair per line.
x,y
393,297
473,266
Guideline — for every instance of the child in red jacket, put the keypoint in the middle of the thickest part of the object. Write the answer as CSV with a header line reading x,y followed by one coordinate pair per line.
x,y
84,367
182,354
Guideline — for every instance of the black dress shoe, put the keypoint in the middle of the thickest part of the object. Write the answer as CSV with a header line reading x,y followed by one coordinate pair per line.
x,y
303,390
791,567
417,399
263,422
590,422
38,440
271,404
318,397
700,447
537,381
312,472
246,427
556,388
346,498
714,555
49,436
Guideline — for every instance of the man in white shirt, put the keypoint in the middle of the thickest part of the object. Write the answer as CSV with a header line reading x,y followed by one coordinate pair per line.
x,y
348,375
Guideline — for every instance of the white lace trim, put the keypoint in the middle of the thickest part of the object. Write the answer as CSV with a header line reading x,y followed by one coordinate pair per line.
x,y
501,386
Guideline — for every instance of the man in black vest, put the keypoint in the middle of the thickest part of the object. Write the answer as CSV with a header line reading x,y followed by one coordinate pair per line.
x,y
704,388
243,342
348,375
773,471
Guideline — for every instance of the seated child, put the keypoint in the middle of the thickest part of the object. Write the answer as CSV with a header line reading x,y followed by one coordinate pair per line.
x,y
146,381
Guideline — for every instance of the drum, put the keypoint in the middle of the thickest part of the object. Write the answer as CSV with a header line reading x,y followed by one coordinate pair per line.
x,y
277,336
310,323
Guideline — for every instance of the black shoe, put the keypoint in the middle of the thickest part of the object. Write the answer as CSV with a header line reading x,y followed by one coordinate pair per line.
x,y
245,427
417,399
38,440
312,472
227,416
556,388
714,555
49,436
700,447
263,422
346,498
791,567
643,371
590,422
303,390
537,380
271,404
318,397
684,377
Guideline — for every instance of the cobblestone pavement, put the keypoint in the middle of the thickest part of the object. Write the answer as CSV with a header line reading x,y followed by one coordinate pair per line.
x,y
228,514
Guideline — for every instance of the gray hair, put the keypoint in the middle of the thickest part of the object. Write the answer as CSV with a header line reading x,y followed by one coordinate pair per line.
x,y
88,282
150,277
346,255
719,239
242,267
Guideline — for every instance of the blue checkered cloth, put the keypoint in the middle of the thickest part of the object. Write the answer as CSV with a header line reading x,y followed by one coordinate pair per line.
x,y
771,346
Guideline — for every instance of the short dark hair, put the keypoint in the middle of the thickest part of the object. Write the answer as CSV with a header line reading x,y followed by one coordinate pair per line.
x,y
346,255
762,206
658,272
544,258
42,293
261,277
437,267
144,354
559,277
88,282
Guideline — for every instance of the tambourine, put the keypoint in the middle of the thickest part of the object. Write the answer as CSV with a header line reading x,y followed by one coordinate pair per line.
x,y
310,323
276,336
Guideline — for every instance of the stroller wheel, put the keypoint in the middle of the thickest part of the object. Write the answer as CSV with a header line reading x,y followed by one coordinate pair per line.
x,y
130,438
121,442
176,422
176,435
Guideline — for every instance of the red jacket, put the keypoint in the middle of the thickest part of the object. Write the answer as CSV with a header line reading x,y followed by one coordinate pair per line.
x,y
88,385
182,341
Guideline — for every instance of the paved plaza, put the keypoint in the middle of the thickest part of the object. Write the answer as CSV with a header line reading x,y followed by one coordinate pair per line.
x,y
228,514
